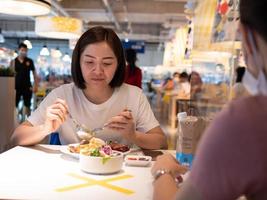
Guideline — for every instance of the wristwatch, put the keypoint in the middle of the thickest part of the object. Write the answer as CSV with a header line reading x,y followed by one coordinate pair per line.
x,y
177,178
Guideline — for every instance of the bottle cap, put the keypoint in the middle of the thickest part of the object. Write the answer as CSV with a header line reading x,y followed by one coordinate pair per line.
x,y
181,115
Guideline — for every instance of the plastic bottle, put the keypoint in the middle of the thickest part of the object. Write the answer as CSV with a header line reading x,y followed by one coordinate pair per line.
x,y
184,153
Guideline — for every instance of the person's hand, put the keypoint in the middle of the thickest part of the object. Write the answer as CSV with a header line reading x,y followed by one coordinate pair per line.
x,y
55,115
124,124
168,162
34,89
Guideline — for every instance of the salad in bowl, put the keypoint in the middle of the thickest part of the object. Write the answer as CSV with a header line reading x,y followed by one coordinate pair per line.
x,y
97,157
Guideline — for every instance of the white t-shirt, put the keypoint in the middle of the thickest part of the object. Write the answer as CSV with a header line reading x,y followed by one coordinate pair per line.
x,y
93,115
186,87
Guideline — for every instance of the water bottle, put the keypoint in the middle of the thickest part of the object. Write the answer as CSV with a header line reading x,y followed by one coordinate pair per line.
x,y
184,145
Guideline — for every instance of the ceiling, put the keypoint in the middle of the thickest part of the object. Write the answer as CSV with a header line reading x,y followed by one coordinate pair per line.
x,y
149,20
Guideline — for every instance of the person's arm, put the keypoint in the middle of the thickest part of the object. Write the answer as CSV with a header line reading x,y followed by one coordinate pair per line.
x,y
185,192
165,186
35,84
27,134
12,65
153,139
163,192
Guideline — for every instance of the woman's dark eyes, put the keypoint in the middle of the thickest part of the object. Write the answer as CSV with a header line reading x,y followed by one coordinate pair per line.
x,y
91,62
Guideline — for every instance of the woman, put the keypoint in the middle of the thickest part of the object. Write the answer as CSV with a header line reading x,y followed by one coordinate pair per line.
x,y
133,73
231,157
196,85
97,96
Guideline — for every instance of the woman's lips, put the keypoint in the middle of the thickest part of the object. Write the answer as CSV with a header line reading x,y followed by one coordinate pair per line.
x,y
98,79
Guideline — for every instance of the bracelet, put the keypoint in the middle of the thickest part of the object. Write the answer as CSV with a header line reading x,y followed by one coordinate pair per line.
x,y
177,178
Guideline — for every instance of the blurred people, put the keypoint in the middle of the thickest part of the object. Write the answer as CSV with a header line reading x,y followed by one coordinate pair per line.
x,y
238,89
176,80
133,73
231,158
23,66
171,83
168,84
196,85
185,85
166,90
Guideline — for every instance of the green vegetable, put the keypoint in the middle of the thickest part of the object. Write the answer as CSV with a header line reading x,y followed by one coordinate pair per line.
x,y
105,159
95,152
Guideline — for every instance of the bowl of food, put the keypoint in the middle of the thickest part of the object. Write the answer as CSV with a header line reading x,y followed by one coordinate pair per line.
x,y
97,157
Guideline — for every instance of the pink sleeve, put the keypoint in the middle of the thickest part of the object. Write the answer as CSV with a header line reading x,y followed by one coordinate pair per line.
x,y
225,163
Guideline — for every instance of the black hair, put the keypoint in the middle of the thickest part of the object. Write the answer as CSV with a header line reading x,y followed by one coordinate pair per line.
x,y
95,35
131,59
253,14
183,75
240,71
175,73
22,45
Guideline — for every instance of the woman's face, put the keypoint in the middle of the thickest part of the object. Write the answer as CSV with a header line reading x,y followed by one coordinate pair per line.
x,y
195,79
98,64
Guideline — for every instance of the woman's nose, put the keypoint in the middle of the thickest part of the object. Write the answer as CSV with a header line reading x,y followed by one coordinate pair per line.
x,y
98,69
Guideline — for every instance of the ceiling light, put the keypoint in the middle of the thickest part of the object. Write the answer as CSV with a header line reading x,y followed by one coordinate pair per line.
x,y
66,58
58,27
25,7
28,43
56,53
44,51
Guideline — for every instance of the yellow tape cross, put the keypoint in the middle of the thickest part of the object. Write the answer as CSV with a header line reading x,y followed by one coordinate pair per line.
x,y
92,182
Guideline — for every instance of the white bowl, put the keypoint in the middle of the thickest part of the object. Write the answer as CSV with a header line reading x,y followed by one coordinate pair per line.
x,y
95,165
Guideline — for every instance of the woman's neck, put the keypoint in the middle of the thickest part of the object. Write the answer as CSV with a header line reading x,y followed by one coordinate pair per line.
x,y
96,96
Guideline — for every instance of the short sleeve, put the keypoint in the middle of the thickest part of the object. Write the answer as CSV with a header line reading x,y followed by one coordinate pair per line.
x,y
37,117
223,164
145,117
32,66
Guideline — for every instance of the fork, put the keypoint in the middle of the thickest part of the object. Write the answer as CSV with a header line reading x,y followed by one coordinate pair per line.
x,y
100,128
85,129
78,125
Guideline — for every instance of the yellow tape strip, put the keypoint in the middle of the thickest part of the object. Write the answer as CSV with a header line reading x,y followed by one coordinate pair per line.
x,y
116,188
103,183
106,180
74,187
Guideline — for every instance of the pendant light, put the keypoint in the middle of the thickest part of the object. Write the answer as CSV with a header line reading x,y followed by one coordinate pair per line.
x,y
28,43
25,7
44,51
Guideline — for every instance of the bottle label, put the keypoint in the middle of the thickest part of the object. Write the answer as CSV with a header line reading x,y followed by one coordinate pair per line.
x,y
185,159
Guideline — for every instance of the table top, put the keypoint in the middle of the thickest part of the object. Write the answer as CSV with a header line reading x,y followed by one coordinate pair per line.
x,y
43,172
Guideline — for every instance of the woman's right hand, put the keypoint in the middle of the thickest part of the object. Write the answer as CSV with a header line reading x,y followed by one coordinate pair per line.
x,y
56,115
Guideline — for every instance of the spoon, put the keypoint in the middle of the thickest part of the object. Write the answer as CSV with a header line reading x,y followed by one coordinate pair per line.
x,y
83,132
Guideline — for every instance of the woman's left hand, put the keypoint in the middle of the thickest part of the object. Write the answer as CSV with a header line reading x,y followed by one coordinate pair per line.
x,y
124,124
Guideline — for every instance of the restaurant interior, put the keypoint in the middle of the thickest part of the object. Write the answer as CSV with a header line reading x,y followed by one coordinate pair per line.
x,y
188,52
